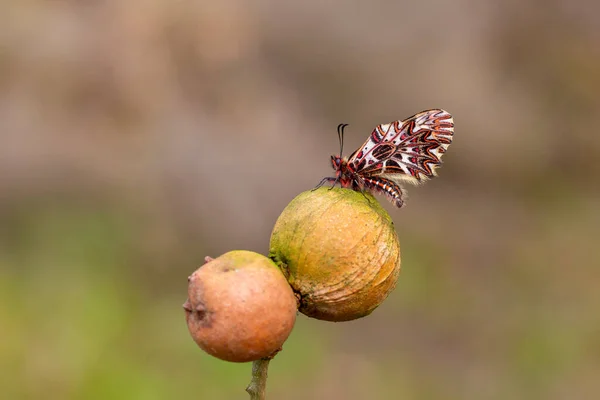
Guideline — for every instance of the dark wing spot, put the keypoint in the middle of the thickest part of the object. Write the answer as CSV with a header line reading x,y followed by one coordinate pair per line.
x,y
383,151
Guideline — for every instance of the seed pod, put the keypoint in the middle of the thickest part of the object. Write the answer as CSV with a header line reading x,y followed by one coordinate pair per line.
x,y
240,307
339,251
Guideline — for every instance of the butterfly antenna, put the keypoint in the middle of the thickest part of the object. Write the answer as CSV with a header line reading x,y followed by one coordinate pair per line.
x,y
340,130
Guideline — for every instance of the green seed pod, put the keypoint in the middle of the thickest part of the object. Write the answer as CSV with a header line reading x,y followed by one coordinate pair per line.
x,y
339,251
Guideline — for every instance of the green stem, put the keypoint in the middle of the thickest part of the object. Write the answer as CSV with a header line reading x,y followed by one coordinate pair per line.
x,y
258,385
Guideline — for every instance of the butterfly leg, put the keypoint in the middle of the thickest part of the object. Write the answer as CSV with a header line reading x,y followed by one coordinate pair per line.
x,y
363,191
360,187
325,180
335,182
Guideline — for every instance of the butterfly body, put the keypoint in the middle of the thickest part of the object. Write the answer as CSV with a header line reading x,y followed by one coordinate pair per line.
x,y
401,151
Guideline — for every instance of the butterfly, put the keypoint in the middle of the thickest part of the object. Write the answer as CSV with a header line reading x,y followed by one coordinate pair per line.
x,y
401,151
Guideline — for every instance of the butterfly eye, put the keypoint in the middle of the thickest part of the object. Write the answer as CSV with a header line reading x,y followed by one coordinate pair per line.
x,y
335,162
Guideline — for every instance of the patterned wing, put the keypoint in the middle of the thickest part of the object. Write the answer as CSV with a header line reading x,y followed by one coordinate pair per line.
x,y
408,150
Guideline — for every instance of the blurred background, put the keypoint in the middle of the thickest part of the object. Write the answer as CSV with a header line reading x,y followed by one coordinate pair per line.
x,y
138,137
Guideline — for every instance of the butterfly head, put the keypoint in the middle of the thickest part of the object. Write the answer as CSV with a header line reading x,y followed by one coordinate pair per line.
x,y
340,166
336,162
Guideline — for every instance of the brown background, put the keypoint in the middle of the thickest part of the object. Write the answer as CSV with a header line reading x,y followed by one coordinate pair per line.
x,y
138,137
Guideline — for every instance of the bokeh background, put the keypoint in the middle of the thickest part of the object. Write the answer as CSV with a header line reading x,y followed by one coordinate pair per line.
x,y
138,137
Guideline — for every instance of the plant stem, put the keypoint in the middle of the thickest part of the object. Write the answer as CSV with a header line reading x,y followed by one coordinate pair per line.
x,y
258,385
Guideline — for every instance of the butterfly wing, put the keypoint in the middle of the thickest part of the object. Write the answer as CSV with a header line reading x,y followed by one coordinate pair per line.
x,y
408,150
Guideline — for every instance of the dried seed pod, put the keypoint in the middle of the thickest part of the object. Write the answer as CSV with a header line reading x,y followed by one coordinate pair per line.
x,y
339,251
240,307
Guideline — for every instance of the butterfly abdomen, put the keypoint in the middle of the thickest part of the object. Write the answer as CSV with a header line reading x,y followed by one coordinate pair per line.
x,y
390,189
